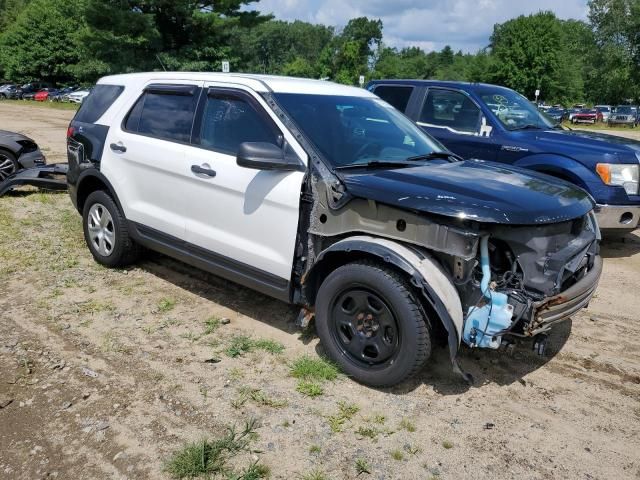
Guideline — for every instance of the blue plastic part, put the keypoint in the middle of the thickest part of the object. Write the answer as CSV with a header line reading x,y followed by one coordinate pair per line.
x,y
484,323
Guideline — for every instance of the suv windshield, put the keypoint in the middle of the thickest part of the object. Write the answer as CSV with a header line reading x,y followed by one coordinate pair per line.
x,y
357,130
624,110
513,110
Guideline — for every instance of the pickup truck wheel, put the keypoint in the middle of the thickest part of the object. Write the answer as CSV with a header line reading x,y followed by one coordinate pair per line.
x,y
106,233
371,324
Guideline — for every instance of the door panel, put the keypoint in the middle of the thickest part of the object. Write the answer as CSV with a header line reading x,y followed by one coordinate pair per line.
x,y
249,216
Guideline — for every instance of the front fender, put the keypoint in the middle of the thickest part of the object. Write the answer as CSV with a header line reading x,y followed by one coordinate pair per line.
x,y
425,274
562,167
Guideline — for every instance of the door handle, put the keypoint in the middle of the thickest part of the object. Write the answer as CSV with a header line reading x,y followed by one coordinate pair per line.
x,y
198,170
118,147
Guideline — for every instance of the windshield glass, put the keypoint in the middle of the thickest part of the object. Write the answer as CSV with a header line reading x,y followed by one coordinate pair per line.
x,y
353,130
624,110
513,110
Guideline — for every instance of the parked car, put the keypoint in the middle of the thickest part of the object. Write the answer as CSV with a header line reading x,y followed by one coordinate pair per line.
x,y
8,91
605,110
587,115
381,231
556,114
29,90
79,95
606,166
45,94
624,115
62,95
571,112
17,151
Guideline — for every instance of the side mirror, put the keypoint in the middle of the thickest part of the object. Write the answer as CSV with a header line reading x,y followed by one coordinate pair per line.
x,y
265,156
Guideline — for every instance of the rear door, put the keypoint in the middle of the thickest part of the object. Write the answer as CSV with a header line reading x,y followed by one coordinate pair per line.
x,y
455,119
247,218
145,156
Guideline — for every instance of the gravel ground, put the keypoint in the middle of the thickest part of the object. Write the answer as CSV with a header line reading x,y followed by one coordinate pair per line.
x,y
107,373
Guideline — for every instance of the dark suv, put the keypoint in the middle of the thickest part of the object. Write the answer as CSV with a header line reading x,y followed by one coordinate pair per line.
x,y
494,123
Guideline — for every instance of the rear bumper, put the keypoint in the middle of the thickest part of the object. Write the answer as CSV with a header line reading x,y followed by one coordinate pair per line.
x,y
552,310
32,159
618,217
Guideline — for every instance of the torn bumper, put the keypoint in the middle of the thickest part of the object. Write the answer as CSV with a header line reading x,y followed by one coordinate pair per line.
x,y
550,311
32,159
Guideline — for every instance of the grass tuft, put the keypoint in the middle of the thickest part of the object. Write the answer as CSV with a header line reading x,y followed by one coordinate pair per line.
x,y
166,305
243,344
346,411
309,389
315,475
314,369
408,425
362,467
447,444
397,454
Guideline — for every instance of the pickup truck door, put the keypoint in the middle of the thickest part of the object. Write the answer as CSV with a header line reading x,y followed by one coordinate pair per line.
x,y
244,221
456,120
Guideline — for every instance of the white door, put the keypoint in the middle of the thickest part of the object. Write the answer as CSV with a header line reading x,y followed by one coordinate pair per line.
x,y
247,216
145,156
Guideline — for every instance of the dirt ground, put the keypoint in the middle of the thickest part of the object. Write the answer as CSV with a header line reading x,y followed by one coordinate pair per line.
x,y
107,373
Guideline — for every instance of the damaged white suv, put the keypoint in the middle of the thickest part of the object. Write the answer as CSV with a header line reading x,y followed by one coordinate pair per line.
x,y
327,197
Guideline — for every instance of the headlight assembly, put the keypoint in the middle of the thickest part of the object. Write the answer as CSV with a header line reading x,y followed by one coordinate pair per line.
x,y
623,175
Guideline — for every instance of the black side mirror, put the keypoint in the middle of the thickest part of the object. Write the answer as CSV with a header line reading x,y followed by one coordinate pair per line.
x,y
265,156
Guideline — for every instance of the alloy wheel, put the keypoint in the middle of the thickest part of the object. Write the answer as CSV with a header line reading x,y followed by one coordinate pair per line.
x,y
101,229
7,166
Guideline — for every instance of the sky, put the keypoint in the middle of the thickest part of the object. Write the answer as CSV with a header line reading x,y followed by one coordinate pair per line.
x,y
430,24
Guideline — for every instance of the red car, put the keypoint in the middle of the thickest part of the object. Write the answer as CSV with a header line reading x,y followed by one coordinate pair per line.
x,y
587,115
43,94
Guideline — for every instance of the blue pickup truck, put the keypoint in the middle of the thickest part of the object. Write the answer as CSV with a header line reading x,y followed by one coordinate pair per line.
x,y
495,123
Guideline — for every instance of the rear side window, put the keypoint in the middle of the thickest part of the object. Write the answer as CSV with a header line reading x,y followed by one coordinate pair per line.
x,y
98,102
230,119
164,113
397,96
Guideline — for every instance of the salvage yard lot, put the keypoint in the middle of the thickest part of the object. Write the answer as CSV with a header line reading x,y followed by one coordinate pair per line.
x,y
108,373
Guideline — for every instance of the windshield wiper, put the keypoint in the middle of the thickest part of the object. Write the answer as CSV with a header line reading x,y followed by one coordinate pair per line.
x,y
374,164
433,156
528,126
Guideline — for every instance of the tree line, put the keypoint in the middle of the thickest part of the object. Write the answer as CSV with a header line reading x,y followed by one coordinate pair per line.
x,y
78,41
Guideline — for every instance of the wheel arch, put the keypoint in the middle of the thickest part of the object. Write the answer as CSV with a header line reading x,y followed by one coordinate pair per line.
x,y
88,182
437,293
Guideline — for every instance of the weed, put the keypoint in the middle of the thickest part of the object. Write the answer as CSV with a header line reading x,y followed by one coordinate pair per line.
x,y
318,369
236,374
242,344
211,457
362,466
397,455
447,444
315,475
259,397
309,389
408,425
379,419
286,424
315,450
111,343
269,346
166,305
412,449
211,325
369,432
346,411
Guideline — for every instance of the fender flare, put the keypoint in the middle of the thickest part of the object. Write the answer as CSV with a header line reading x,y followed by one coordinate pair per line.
x,y
94,173
425,274
560,166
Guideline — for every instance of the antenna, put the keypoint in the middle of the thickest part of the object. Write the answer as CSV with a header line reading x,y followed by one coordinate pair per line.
x,y
161,64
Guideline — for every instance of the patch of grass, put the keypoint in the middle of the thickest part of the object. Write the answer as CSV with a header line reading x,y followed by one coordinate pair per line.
x,y
166,305
286,424
368,432
236,374
309,389
408,425
362,466
412,449
209,458
397,455
379,419
211,325
447,444
257,396
346,411
94,306
111,343
314,369
243,344
314,475
315,450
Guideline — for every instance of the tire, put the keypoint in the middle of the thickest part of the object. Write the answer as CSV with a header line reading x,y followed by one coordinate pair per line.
x,y
8,164
371,324
106,232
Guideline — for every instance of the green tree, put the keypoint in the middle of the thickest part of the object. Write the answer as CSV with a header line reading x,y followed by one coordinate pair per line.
x,y
42,43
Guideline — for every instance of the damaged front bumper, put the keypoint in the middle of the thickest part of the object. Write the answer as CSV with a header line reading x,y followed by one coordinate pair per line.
x,y
550,311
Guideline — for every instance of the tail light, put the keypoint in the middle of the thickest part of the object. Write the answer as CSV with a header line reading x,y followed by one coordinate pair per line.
x,y
70,131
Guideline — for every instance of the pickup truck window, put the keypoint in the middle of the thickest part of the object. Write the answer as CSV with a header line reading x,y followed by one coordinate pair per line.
x,y
513,110
229,120
452,110
357,130
396,95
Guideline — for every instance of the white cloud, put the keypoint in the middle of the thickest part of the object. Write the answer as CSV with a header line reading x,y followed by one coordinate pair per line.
x,y
430,24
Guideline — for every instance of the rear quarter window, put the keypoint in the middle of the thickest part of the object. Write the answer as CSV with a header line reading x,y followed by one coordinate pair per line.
x,y
98,102
398,96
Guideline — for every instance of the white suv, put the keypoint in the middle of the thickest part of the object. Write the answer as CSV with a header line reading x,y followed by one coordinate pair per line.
x,y
325,196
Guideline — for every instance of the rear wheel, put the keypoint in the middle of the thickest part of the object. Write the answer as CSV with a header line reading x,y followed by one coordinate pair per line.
x,y
8,164
106,232
371,324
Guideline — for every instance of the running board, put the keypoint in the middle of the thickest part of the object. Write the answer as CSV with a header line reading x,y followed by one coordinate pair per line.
x,y
47,177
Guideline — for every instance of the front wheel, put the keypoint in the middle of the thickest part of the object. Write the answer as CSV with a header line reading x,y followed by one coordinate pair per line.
x,y
8,164
106,232
371,324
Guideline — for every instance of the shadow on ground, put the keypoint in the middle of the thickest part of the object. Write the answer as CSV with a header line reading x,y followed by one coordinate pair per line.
x,y
621,246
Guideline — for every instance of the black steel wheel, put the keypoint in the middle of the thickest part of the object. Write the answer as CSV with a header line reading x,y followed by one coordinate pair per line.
x,y
371,324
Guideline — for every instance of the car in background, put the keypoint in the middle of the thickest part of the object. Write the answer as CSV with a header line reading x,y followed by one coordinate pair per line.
x,y
606,166
45,94
8,91
79,95
556,114
571,112
625,115
605,110
587,115
17,151
62,95
29,90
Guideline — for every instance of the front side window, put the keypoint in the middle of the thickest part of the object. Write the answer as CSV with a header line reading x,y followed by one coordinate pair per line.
x,y
398,96
356,130
452,110
513,110
164,115
230,119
